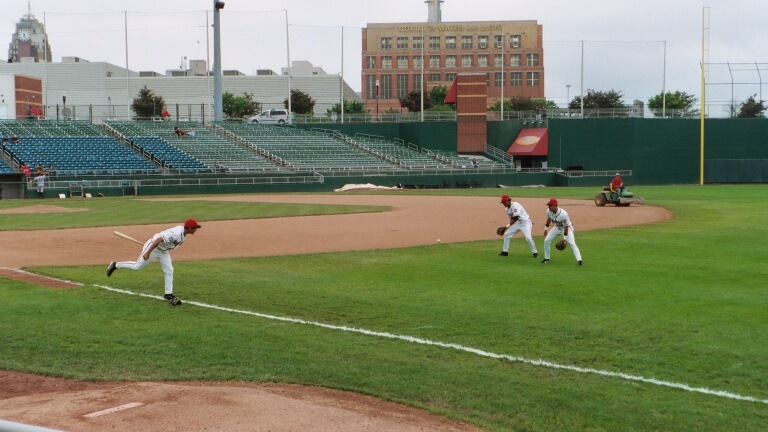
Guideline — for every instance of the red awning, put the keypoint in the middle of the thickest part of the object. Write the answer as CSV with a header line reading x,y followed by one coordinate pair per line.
x,y
531,142
450,98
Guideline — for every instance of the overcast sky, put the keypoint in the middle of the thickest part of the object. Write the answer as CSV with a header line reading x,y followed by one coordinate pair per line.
x,y
624,41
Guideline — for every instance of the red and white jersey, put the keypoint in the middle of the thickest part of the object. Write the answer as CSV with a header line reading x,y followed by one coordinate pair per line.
x,y
560,218
517,210
172,238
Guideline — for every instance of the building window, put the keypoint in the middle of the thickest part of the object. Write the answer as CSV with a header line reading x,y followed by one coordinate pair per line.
x,y
386,62
434,42
482,60
498,60
386,43
434,77
514,41
466,61
402,62
370,62
417,62
418,42
450,61
402,86
532,59
498,79
386,86
533,79
466,42
515,60
402,42
370,87
516,79
417,82
498,41
450,77
482,42
434,61
450,42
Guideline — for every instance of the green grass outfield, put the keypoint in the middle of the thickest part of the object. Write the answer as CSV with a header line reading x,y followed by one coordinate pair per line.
x,y
683,302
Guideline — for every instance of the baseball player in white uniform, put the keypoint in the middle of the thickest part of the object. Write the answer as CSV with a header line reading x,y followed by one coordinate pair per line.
x,y
518,222
159,248
562,226
40,182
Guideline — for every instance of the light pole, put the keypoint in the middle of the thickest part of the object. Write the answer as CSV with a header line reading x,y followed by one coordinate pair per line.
x,y
503,41
218,114
568,98
377,100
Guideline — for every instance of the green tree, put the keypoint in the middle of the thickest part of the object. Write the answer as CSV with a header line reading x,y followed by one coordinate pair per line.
x,y
301,103
350,107
751,108
550,105
442,107
599,99
520,103
413,101
147,105
438,94
236,107
676,100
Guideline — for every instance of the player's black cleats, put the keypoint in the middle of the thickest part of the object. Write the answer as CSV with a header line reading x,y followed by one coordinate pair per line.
x,y
111,269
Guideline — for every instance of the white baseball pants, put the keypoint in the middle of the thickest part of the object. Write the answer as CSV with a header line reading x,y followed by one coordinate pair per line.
x,y
570,238
519,226
163,257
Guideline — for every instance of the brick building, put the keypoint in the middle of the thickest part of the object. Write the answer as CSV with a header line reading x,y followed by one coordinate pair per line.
x,y
397,56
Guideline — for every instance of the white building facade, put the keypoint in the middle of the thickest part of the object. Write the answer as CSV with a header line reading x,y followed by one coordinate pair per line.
x,y
100,90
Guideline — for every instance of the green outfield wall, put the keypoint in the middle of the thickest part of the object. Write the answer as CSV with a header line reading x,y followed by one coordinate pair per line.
x,y
657,151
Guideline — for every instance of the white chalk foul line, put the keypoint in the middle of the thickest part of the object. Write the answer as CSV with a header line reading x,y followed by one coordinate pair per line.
x,y
471,350
114,409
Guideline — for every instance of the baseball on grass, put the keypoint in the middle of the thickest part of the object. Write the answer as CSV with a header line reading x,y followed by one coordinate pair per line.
x,y
438,240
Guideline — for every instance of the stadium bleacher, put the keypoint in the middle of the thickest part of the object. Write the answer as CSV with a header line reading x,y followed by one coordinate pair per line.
x,y
73,147
5,169
204,147
308,150
79,155
407,157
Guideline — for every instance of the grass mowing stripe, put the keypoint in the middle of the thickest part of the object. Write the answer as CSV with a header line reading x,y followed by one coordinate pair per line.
x,y
479,352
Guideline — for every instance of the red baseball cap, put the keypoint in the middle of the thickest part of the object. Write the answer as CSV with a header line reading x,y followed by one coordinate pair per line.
x,y
552,201
505,198
191,223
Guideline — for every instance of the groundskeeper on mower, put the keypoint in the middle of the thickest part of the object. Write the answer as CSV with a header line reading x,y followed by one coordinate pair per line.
x,y
622,199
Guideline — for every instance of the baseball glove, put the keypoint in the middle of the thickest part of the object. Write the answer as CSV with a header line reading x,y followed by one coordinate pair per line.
x,y
561,245
501,230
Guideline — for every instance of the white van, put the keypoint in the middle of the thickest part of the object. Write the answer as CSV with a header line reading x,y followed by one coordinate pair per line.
x,y
275,116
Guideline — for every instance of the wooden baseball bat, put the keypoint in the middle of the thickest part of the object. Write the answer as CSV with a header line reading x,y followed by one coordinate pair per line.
x,y
127,237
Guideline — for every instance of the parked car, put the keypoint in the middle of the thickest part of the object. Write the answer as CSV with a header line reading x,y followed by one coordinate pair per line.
x,y
275,116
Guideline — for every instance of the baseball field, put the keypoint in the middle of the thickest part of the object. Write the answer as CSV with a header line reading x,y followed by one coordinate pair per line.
x,y
297,296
